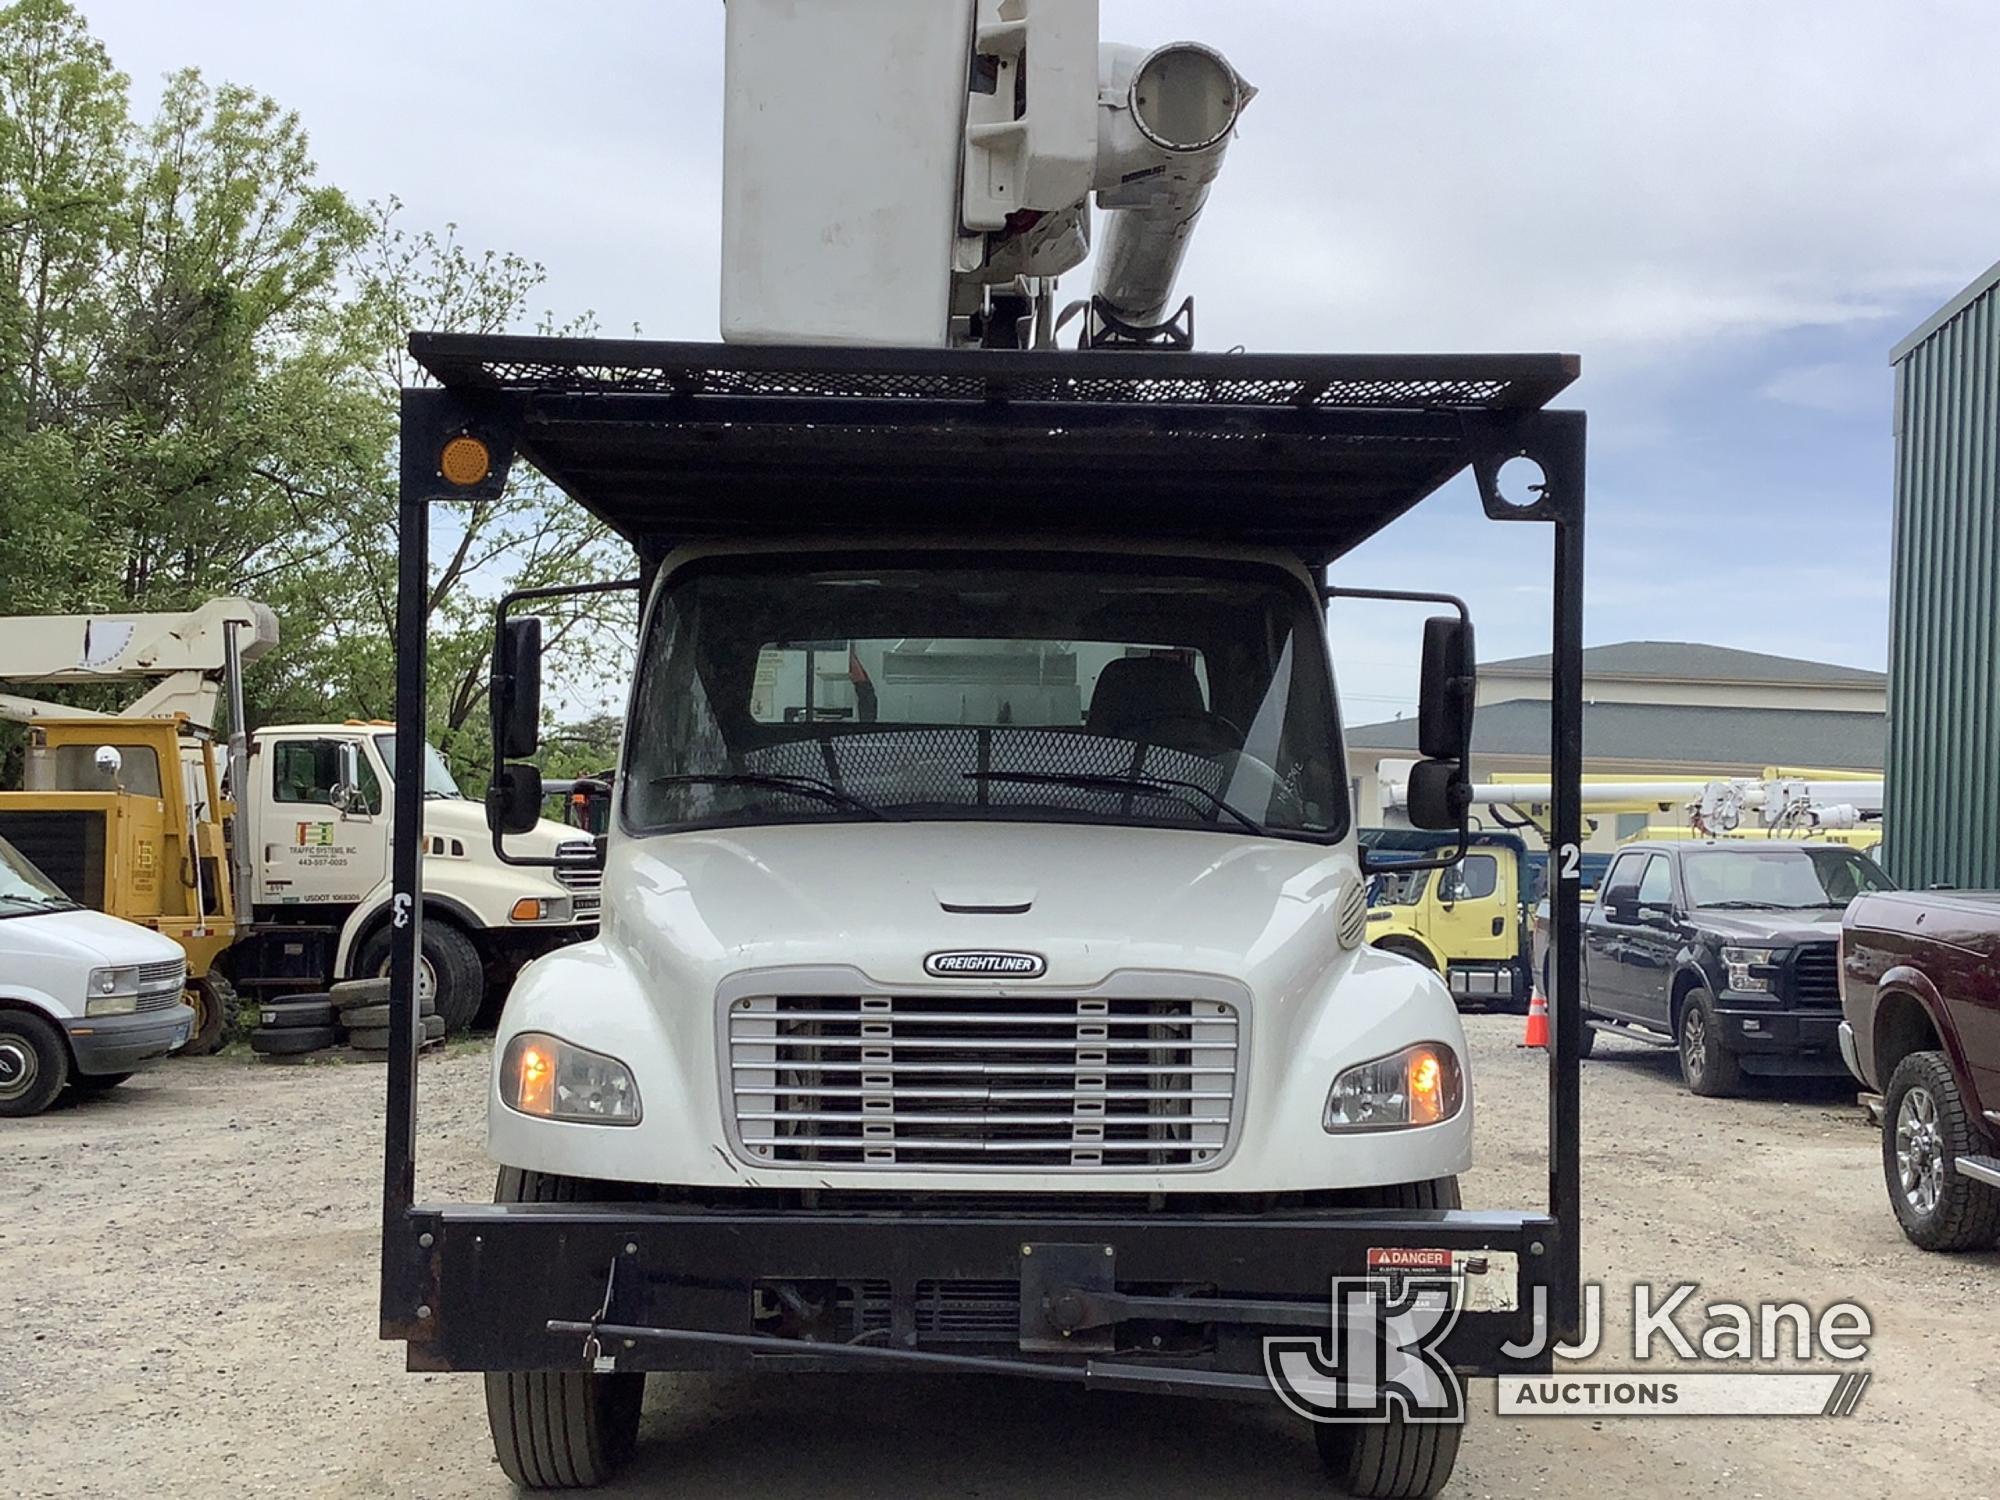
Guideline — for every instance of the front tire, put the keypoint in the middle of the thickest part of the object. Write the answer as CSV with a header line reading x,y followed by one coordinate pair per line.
x,y
560,1429
1393,1460
1707,1068
1925,1128
450,965
34,1064
1397,1459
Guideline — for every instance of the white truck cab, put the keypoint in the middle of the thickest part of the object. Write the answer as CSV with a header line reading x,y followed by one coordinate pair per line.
x,y
316,816
85,999
983,869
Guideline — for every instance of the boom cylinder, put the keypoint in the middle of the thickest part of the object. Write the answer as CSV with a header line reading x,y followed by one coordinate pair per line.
x,y
1167,116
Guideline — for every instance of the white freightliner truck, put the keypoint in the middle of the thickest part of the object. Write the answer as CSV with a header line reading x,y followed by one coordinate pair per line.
x,y
982,982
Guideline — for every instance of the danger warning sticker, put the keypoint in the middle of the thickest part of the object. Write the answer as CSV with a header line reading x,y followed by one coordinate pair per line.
x,y
1485,1280
1398,1258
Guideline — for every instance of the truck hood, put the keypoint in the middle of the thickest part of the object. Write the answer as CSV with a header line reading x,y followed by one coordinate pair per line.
x,y
463,818
879,897
86,936
1772,928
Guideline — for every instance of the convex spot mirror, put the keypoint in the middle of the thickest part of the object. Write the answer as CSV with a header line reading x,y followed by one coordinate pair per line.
x,y
514,801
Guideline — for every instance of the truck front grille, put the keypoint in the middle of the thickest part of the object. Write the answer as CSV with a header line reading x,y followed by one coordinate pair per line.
x,y
983,1083
1816,975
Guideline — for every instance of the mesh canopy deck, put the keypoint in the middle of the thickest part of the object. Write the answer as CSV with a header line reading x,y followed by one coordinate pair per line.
x,y
671,441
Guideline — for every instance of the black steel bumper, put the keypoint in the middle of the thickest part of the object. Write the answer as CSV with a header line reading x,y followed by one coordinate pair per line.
x,y
1161,1301
1803,1043
123,1044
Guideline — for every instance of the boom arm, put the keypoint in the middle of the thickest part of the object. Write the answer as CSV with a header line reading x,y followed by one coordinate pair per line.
x,y
184,656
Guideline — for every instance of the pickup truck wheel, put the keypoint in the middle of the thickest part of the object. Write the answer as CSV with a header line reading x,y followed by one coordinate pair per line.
x,y
1925,1128
1706,1067
560,1430
213,998
34,1064
450,972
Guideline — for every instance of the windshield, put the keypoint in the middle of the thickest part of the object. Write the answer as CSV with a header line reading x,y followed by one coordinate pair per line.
x,y
1779,878
23,888
1158,695
438,780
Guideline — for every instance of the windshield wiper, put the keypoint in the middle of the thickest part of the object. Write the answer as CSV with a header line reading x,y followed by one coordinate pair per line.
x,y
1742,906
1110,783
804,786
41,903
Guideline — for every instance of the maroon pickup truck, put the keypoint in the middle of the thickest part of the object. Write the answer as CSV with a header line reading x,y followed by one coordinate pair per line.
x,y
1920,992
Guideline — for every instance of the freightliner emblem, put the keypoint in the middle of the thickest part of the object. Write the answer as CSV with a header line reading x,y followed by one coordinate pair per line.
x,y
986,965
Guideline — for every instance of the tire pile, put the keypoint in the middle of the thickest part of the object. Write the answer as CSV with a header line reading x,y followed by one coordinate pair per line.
x,y
354,1012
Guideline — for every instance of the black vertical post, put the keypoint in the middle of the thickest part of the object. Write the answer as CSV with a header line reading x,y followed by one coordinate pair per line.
x,y
1563,467
399,1136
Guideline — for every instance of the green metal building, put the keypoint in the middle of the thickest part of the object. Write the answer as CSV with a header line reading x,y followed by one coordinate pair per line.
x,y
1942,808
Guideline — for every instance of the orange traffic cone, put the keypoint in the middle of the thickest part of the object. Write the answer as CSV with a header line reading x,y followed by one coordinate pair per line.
x,y
1538,1021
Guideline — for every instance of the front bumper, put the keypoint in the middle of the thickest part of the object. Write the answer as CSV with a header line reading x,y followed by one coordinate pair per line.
x,y
122,1044
1800,1043
735,1285
1849,1055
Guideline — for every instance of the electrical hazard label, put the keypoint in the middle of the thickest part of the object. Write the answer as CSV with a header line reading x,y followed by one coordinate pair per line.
x,y
1485,1280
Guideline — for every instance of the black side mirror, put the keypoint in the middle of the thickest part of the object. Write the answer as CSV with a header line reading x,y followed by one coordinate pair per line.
x,y
1444,701
1439,794
517,689
1621,906
514,801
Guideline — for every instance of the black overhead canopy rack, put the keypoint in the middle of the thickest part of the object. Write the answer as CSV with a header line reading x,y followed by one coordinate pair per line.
x,y
671,441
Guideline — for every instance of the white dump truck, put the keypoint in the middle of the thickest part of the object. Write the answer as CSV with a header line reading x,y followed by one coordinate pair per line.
x,y
983,981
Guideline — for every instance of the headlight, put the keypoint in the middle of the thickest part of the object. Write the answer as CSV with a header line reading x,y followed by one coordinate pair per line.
x,y
540,909
1740,961
113,991
1421,1085
546,1076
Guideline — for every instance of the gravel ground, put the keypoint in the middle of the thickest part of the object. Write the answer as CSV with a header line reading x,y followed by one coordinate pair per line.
x,y
191,1262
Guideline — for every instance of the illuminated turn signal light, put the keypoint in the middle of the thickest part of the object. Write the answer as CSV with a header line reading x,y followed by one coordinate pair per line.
x,y
465,462
1426,1081
535,1080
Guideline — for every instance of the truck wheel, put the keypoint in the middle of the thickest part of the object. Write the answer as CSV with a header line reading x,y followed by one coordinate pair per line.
x,y
1707,1067
1925,1127
559,1430
1393,1460
34,1064
450,971
213,999
1407,950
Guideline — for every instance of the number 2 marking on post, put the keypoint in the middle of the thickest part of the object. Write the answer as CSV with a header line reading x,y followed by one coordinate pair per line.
x,y
1572,862
400,909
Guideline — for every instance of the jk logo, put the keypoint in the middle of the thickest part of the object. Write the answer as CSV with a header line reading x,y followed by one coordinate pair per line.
x,y
1380,1358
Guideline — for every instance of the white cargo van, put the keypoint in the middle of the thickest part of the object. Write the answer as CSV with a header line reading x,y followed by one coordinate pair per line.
x,y
85,1000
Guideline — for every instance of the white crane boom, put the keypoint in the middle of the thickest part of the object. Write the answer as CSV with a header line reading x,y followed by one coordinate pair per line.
x,y
919,172
186,657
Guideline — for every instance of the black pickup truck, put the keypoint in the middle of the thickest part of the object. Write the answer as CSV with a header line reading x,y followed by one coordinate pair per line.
x,y
1726,950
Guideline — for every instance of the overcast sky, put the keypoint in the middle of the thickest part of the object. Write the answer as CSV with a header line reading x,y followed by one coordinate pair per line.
x,y
1730,211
